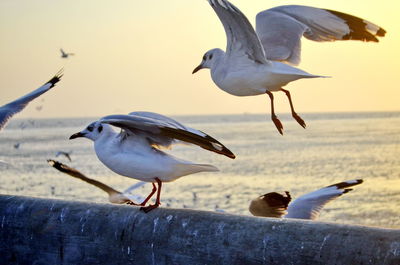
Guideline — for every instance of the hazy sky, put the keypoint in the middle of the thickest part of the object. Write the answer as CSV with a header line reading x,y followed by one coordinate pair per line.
x,y
139,55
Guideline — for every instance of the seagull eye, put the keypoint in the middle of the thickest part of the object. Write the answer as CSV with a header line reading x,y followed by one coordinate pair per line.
x,y
90,128
204,57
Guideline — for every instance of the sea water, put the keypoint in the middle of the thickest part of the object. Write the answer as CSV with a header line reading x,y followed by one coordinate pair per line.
x,y
335,147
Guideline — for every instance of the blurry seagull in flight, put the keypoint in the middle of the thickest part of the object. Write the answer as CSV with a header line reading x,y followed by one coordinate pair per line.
x,y
66,154
136,152
65,54
307,206
114,196
10,109
257,63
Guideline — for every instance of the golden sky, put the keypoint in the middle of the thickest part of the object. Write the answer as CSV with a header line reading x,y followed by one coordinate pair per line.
x,y
139,55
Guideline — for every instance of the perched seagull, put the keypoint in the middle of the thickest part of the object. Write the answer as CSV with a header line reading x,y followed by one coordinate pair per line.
x,y
135,151
257,63
66,154
10,109
114,196
65,54
307,206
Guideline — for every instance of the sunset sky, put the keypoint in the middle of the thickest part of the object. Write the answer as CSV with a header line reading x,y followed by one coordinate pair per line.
x,y
139,55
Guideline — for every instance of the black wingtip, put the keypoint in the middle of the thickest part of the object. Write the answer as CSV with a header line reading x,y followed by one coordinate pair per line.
x,y
55,163
58,165
381,32
359,28
346,184
346,190
221,148
56,78
228,153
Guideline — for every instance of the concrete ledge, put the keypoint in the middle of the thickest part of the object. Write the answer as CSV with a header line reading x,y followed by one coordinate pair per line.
x,y
43,231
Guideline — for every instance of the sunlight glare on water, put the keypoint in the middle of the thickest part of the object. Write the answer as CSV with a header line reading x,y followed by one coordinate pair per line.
x,y
333,148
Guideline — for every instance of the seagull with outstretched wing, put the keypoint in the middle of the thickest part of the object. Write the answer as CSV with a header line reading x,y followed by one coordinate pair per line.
x,y
12,108
307,206
136,151
65,54
114,196
256,62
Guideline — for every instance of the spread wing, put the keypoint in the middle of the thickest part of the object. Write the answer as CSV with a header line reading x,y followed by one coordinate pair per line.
x,y
114,195
10,109
163,131
309,206
242,40
280,29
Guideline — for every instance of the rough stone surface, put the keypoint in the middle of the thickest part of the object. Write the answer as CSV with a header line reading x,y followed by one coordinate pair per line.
x,y
43,231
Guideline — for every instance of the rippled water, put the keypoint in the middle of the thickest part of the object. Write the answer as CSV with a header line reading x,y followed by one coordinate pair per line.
x,y
333,148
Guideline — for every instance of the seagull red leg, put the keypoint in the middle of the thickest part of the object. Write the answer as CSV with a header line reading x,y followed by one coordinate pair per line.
x,y
294,114
147,198
275,119
157,203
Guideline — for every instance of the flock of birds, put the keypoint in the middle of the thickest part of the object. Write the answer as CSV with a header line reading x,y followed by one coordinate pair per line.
x,y
256,61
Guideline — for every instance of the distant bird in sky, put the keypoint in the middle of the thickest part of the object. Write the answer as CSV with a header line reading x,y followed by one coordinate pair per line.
x,y
136,152
114,196
10,109
22,125
66,154
65,54
307,206
257,63
17,145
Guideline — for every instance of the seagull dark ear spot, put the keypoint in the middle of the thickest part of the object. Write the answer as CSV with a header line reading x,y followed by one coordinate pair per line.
x,y
100,128
210,56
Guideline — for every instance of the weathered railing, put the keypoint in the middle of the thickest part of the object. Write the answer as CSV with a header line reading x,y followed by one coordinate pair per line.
x,y
43,231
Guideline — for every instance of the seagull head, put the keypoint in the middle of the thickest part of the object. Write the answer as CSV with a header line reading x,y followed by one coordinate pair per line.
x,y
93,131
210,58
276,199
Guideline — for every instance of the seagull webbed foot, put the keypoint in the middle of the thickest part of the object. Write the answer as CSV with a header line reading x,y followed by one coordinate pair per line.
x,y
147,209
278,124
299,120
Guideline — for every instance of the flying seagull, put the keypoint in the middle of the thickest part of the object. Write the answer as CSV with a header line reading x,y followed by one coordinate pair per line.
x,y
66,154
257,63
136,152
65,54
307,206
114,196
10,109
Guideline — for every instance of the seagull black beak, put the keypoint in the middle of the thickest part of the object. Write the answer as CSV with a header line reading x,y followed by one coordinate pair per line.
x,y
76,135
197,68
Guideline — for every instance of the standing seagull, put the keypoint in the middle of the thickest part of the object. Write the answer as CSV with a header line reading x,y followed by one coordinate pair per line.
x,y
135,151
256,63
10,109
65,54
307,206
